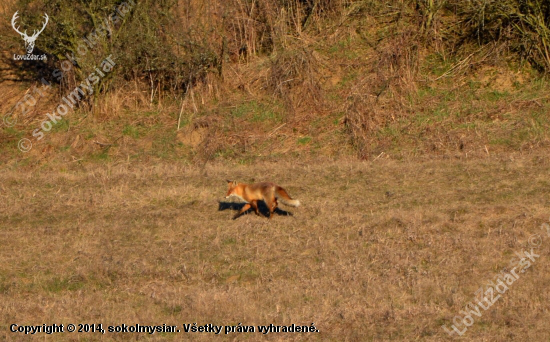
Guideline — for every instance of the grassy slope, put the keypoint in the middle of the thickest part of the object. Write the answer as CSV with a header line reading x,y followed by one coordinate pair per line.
x,y
362,77
380,250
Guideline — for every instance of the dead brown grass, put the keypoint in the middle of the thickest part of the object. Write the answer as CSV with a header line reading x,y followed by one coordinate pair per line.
x,y
380,250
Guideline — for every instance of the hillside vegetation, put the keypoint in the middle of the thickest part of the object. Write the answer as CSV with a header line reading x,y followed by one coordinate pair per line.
x,y
245,79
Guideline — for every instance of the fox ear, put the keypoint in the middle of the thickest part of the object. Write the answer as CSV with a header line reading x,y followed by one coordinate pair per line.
x,y
229,181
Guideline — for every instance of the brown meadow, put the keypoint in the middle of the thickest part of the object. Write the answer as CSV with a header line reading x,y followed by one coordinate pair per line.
x,y
379,250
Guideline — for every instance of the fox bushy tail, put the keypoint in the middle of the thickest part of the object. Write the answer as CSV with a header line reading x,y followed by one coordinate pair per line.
x,y
285,197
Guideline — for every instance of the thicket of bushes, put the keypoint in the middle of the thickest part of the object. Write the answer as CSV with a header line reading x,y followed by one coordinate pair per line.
x,y
171,45
177,42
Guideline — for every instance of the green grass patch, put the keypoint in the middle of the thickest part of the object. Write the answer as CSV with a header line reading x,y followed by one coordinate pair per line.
x,y
57,285
494,95
60,126
304,140
100,156
256,111
131,131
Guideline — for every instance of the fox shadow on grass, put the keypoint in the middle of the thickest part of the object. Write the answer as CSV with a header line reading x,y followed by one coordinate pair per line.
x,y
262,207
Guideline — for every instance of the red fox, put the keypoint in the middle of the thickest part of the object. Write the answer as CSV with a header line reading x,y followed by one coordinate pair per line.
x,y
252,193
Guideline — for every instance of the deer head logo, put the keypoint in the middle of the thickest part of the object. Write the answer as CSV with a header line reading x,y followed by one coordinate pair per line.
x,y
29,41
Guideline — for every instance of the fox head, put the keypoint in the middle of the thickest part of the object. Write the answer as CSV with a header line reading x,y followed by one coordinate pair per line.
x,y
232,190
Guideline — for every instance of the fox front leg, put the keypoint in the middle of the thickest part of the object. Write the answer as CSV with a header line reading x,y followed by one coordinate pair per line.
x,y
243,209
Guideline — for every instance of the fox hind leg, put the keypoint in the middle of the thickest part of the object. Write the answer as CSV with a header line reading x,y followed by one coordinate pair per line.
x,y
272,205
275,203
254,205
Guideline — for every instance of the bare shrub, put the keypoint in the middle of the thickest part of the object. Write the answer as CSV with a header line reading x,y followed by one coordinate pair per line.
x,y
524,26
294,77
378,98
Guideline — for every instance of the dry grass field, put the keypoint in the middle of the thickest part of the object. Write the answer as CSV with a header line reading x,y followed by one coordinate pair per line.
x,y
379,250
